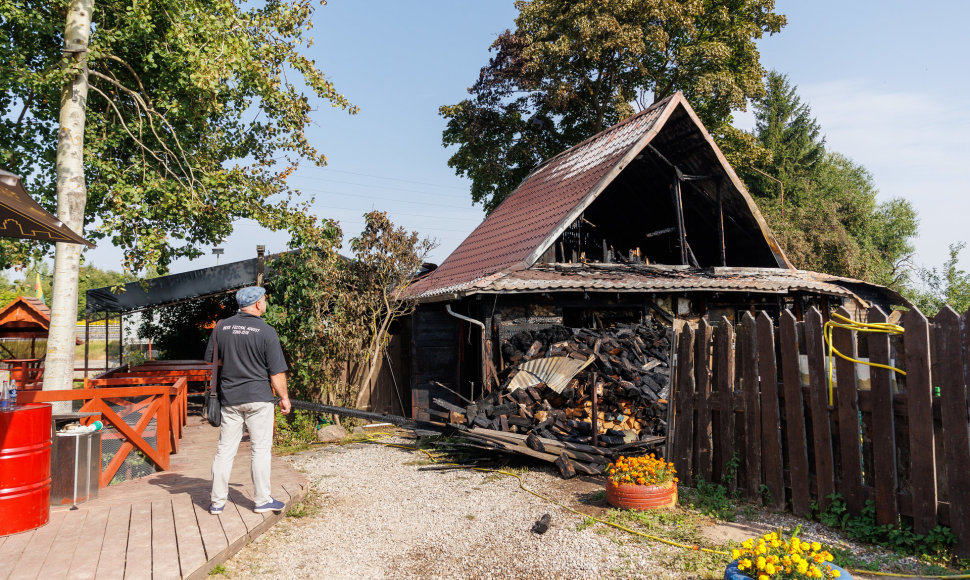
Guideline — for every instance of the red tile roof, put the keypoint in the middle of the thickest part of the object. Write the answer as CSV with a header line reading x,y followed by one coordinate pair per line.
x,y
514,235
541,203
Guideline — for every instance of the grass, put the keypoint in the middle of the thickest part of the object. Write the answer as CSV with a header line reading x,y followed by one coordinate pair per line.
x,y
219,570
677,525
307,507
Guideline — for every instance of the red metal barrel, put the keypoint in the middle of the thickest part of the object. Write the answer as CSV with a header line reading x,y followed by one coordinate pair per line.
x,y
25,467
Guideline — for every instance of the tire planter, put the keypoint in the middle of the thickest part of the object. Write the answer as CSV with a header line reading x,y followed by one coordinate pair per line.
x,y
641,497
732,572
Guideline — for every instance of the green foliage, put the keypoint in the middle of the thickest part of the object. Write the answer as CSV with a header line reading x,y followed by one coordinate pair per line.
x,y
935,546
334,313
93,277
573,67
713,499
295,431
196,116
830,220
948,285
181,331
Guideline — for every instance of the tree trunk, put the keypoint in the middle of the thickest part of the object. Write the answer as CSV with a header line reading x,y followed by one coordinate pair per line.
x,y
71,199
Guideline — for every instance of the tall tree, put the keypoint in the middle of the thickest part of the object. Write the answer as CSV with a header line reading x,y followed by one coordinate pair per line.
x,y
195,116
829,219
574,67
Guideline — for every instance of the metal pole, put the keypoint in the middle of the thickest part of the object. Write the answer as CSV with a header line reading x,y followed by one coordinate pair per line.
x,y
121,338
107,328
87,341
260,264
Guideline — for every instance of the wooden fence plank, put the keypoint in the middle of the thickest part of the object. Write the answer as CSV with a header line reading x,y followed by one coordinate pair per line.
x,y
953,404
847,408
702,367
752,407
724,379
684,403
883,425
772,463
818,394
801,497
919,396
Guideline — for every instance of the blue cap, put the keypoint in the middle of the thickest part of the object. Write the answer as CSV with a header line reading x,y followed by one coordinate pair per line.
x,y
249,295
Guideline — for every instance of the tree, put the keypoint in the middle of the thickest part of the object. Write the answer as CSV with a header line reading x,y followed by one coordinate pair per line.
x,y
829,220
334,313
191,114
947,285
574,67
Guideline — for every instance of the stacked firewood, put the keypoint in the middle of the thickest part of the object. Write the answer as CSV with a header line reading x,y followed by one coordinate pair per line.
x,y
630,372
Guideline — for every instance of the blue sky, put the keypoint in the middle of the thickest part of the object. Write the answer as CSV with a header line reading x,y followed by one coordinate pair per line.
x,y
887,81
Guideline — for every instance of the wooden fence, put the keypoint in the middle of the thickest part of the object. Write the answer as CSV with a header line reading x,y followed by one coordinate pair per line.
x,y
144,399
758,393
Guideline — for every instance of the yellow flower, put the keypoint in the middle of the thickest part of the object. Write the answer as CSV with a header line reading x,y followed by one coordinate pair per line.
x,y
735,554
763,577
761,562
747,544
770,568
816,546
802,567
835,573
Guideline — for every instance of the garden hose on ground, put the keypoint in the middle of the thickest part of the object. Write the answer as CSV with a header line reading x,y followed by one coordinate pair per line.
x,y
375,439
849,324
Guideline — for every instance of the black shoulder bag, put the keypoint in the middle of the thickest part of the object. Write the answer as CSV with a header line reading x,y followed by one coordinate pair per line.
x,y
211,408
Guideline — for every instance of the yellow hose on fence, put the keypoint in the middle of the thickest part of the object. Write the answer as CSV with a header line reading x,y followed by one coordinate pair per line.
x,y
849,324
629,530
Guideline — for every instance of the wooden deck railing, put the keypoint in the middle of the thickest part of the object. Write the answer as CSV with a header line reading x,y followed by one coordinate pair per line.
x,y
899,441
155,398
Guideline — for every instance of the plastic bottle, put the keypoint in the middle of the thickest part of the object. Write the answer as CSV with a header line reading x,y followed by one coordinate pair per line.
x,y
4,398
12,393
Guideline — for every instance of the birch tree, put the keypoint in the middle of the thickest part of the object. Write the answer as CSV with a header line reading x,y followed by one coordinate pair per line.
x,y
195,116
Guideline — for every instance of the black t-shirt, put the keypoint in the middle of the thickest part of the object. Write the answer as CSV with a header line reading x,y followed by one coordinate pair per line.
x,y
250,352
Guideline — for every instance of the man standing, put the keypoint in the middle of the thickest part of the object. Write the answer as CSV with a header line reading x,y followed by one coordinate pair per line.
x,y
252,367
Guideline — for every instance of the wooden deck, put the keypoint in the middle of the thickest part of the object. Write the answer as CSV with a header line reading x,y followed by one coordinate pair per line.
x,y
156,527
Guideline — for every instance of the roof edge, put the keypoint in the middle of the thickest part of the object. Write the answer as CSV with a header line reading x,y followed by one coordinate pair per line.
x,y
669,106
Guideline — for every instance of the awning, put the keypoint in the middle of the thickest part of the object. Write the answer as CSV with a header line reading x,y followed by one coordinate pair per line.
x,y
174,288
22,217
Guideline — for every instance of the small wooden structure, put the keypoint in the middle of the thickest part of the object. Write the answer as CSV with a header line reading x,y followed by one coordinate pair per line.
x,y
25,318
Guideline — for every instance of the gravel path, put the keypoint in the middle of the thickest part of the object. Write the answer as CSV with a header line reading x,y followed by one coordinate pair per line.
x,y
382,516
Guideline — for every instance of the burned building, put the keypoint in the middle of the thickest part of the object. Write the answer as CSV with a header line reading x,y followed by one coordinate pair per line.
x,y
645,221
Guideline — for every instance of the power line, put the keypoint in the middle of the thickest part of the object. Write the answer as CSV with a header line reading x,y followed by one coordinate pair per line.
x,y
331,192
385,187
385,178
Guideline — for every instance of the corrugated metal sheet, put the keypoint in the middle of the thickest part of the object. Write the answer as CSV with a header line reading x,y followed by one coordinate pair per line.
x,y
641,278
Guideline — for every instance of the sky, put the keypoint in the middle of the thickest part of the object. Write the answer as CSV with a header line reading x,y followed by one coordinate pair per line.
x,y
886,80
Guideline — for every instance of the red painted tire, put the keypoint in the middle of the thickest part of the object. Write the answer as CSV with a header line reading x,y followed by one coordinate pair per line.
x,y
641,497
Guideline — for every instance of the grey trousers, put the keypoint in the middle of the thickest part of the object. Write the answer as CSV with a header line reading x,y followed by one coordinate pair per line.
x,y
258,419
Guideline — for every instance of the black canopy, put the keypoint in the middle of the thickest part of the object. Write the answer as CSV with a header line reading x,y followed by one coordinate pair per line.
x,y
174,288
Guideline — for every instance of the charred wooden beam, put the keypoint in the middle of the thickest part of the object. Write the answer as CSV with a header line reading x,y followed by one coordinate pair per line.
x,y
679,211
720,221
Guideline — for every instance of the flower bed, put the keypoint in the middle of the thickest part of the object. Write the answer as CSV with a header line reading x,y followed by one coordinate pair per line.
x,y
773,557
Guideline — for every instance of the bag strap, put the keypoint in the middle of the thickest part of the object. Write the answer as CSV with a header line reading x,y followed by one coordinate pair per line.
x,y
214,373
